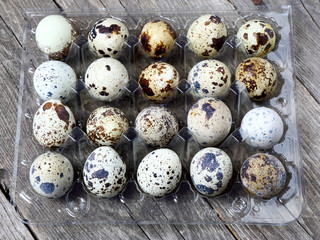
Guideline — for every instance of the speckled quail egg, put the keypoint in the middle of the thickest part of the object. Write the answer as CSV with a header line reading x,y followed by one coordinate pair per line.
x,y
209,121
105,125
106,79
157,38
54,80
210,171
107,36
51,175
159,172
156,126
263,175
104,172
262,128
259,77
52,123
209,78
207,35
158,81
256,38
54,35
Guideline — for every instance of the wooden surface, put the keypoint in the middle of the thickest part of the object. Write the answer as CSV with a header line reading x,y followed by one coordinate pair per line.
x,y
306,25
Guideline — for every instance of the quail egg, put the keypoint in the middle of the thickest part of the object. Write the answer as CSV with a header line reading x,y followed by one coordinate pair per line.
x,y
209,121
210,171
207,35
107,36
158,81
104,172
54,80
259,77
262,128
52,122
157,38
209,78
51,175
105,125
159,172
263,175
54,35
156,126
256,38
106,79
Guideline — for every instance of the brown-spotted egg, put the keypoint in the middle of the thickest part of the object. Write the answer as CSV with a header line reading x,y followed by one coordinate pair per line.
x,y
51,175
104,172
52,122
210,171
263,175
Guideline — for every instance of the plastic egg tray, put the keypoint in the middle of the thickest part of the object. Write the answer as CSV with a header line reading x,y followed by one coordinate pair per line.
x,y
184,205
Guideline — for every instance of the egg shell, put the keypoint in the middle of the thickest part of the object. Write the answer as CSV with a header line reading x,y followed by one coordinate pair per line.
x,y
159,172
107,37
156,126
157,38
51,175
210,171
54,80
54,35
259,77
106,79
209,78
262,128
263,175
105,125
52,122
158,81
209,121
256,38
206,35
104,172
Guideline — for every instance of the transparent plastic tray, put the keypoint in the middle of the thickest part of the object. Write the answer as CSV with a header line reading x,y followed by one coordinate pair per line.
x,y
184,205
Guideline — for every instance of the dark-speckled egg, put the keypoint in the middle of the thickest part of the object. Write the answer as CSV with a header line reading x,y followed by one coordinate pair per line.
x,y
159,172
107,37
51,175
259,77
158,81
207,35
104,172
210,171
209,121
263,175
52,122
256,38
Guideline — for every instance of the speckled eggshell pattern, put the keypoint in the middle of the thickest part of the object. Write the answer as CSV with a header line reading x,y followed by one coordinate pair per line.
x,y
210,170
259,77
256,38
52,122
54,80
263,175
107,36
105,125
209,121
106,79
159,172
262,128
207,35
157,38
54,35
209,78
51,175
158,81
104,172
156,125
